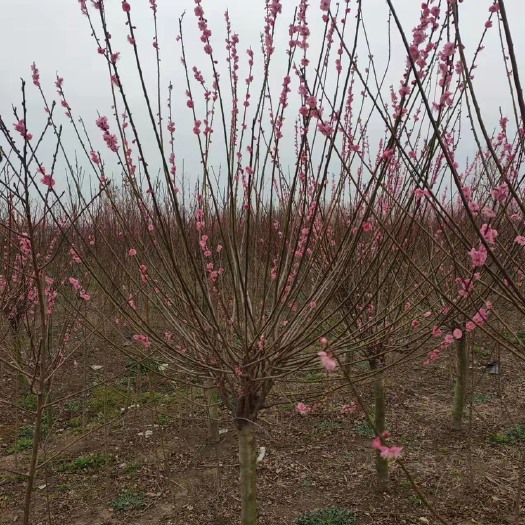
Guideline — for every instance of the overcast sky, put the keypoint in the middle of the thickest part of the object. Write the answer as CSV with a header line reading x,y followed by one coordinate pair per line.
x,y
55,35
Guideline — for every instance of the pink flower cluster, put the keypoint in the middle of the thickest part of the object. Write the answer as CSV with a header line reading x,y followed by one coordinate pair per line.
x,y
143,340
329,363
110,140
390,453
75,283
303,409
46,179
20,126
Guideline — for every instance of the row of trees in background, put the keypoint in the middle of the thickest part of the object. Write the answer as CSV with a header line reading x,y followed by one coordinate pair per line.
x,y
386,252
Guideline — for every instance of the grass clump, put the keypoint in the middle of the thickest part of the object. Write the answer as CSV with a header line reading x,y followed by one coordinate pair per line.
x,y
129,501
142,367
513,435
327,426
88,462
24,441
481,398
363,429
328,516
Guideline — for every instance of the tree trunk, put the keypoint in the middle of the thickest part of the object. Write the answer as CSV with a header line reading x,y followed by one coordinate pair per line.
x,y
380,424
34,457
212,402
248,478
461,384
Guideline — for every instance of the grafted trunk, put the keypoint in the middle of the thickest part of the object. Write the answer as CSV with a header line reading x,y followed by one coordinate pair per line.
x,y
34,457
212,402
380,424
248,477
460,389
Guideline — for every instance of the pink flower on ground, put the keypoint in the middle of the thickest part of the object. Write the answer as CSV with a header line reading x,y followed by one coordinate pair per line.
x,y
132,252
303,409
328,362
74,283
348,409
143,340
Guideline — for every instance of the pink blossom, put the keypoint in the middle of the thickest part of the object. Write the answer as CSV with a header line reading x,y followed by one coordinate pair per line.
x,y
520,239
126,7
132,252
348,409
102,123
143,340
388,154
501,192
48,180
303,409
94,157
35,75
478,256
488,213
489,234
437,332
326,129
457,333
111,141
20,126
328,362
448,340
386,452
325,5
74,283
391,452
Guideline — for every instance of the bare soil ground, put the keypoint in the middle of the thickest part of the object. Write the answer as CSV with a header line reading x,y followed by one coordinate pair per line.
x,y
152,463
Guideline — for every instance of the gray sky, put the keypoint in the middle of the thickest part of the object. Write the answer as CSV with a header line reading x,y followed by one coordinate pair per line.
x,y
55,35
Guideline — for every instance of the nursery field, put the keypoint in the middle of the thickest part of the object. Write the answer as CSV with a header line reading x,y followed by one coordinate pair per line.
x,y
135,448
262,263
